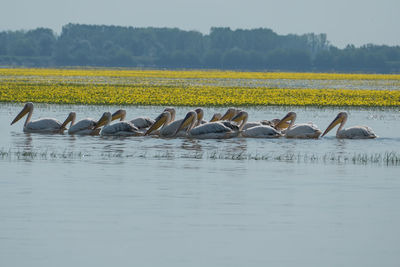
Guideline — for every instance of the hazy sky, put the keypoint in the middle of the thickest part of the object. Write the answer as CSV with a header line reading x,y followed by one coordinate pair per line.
x,y
355,22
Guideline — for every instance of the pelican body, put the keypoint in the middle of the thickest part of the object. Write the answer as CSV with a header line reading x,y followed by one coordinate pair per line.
x,y
43,125
301,130
355,132
121,128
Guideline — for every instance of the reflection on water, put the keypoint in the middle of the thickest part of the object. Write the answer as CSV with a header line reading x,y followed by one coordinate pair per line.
x,y
145,201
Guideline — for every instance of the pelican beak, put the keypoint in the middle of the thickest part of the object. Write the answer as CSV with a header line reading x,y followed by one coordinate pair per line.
x,y
216,117
21,114
239,117
274,122
71,118
335,122
101,121
188,120
160,120
119,114
283,123
229,114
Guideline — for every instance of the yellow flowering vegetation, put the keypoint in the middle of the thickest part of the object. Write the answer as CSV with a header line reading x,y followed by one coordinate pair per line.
x,y
98,86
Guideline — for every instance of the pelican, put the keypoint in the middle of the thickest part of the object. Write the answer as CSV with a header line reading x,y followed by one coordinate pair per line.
x,y
44,125
302,130
121,128
213,130
355,132
87,126
169,127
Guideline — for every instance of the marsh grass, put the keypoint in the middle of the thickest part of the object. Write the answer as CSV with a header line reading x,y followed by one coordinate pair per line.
x,y
384,158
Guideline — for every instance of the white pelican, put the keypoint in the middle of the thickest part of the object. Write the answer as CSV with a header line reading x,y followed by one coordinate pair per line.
x,y
44,125
355,132
213,130
86,126
169,129
302,130
121,128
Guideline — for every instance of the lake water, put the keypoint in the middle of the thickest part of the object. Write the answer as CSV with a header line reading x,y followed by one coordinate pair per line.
x,y
144,201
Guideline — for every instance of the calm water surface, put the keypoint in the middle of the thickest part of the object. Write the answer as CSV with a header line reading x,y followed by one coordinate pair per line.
x,y
93,201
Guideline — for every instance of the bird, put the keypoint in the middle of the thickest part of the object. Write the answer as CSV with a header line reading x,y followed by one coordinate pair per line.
x,y
87,126
43,125
355,132
301,130
120,128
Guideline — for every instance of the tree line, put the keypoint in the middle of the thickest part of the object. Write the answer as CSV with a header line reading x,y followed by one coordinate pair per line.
x,y
222,48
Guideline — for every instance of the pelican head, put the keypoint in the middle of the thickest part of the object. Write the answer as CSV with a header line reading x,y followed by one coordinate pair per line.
x,y
188,122
200,115
163,119
119,114
71,118
172,111
274,122
229,114
241,118
216,117
26,109
340,118
283,123
105,119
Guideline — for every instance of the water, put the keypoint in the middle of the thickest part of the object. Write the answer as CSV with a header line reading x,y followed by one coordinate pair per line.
x,y
144,201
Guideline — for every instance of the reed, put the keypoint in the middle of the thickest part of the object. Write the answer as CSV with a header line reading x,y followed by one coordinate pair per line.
x,y
388,158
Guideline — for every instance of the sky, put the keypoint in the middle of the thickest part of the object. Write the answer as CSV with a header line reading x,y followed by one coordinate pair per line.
x,y
356,22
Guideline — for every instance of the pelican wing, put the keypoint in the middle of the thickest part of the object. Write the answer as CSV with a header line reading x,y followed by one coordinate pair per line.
x,y
44,125
170,129
211,130
357,132
84,126
142,122
303,130
251,125
261,131
121,128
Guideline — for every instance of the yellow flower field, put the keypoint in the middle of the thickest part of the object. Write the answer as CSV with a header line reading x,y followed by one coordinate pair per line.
x,y
94,86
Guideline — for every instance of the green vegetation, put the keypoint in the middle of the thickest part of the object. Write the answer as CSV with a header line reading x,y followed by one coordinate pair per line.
x,y
385,158
223,48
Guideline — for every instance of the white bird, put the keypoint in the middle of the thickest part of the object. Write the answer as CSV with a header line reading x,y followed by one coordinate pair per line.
x,y
86,126
355,132
301,130
169,129
120,128
213,130
43,125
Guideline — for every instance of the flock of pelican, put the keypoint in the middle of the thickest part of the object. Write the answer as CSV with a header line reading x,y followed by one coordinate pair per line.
x,y
234,123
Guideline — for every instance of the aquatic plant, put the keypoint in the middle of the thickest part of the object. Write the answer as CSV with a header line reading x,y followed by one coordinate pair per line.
x,y
116,87
388,158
